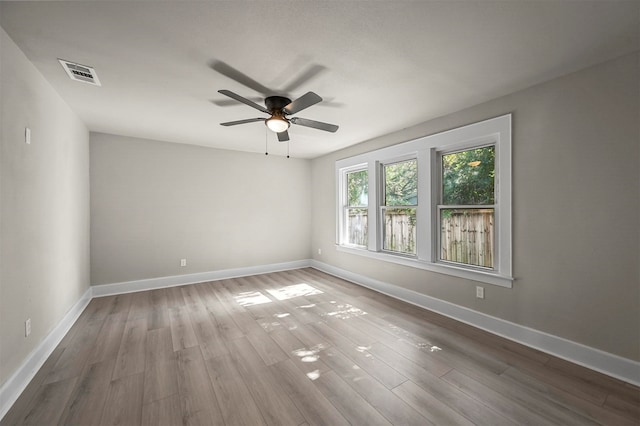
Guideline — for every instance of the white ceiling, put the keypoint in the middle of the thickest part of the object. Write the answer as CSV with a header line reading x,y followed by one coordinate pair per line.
x,y
380,65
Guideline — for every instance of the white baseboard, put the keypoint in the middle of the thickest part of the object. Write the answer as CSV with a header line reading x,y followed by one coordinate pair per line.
x,y
595,359
15,385
175,280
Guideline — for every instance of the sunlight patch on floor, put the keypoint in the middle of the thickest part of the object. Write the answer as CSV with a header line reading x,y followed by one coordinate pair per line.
x,y
270,326
295,290
344,311
427,346
251,298
310,305
309,355
313,375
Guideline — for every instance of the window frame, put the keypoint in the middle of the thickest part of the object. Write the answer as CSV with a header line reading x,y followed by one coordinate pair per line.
x,y
382,205
427,151
438,189
346,206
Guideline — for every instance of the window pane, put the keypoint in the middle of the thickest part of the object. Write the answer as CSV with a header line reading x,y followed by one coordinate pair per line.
x,y
468,177
400,230
401,183
467,236
358,188
357,225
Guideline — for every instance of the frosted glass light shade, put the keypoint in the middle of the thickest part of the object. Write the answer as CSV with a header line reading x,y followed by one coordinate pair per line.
x,y
277,124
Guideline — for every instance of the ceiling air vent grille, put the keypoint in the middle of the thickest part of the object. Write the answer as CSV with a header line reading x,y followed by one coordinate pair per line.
x,y
79,72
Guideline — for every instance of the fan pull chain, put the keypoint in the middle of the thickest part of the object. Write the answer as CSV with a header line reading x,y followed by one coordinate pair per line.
x,y
287,149
266,138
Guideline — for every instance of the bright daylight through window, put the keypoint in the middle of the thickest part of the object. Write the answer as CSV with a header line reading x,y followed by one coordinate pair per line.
x,y
355,209
466,212
399,206
440,203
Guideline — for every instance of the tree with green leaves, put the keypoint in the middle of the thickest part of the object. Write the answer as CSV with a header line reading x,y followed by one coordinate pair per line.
x,y
401,183
358,188
468,177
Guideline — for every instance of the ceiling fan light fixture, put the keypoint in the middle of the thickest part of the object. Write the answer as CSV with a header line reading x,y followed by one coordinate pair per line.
x,y
277,123
278,107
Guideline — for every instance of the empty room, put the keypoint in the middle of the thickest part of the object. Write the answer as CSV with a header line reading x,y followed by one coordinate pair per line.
x,y
320,212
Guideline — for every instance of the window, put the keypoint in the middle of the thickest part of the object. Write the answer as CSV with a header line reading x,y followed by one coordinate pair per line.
x,y
466,212
356,206
440,203
399,205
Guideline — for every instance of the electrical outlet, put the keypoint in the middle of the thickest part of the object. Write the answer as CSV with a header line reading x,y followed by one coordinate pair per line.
x,y
27,327
183,262
27,135
319,251
480,292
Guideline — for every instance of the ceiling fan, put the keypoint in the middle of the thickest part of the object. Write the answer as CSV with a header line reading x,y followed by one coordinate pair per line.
x,y
278,108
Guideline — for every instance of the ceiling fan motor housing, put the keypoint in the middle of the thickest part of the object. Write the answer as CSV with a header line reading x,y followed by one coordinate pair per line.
x,y
275,104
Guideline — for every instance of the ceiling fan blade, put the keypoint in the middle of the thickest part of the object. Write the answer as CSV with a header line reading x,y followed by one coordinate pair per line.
x,y
248,120
245,80
310,73
233,102
243,100
304,101
315,124
283,136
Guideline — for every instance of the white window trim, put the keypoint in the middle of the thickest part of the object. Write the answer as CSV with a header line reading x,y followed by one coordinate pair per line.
x,y
341,180
341,183
496,131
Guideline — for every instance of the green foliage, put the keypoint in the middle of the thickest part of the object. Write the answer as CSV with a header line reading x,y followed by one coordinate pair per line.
x,y
468,177
401,183
358,188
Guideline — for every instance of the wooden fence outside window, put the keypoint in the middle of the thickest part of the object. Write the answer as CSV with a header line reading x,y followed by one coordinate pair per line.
x,y
467,237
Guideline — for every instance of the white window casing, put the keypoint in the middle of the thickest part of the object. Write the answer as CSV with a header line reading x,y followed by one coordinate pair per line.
x,y
427,151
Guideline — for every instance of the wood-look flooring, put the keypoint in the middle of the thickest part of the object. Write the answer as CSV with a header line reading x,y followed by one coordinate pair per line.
x,y
302,348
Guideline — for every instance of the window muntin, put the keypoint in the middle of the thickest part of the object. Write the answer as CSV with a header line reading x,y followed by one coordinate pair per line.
x,y
399,205
356,208
466,214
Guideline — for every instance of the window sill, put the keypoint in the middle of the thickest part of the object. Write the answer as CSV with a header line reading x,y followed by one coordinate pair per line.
x,y
470,274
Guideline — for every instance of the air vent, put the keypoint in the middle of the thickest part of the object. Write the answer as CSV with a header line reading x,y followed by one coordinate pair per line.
x,y
79,72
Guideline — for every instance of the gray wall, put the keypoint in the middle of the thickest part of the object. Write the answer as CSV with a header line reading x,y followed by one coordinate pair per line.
x,y
576,187
44,210
154,203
